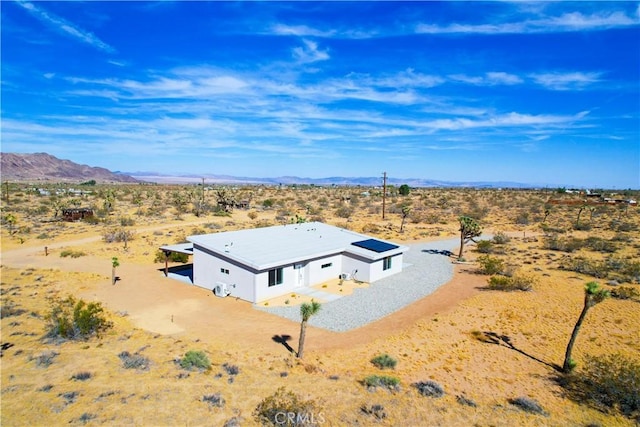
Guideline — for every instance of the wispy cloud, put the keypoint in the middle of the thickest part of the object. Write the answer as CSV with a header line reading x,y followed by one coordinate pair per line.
x,y
566,81
66,27
568,22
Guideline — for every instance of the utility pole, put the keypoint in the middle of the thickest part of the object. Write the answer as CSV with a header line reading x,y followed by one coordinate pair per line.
x,y
384,192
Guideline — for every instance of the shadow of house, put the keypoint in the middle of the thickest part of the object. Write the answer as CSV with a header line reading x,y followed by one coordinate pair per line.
x,y
183,273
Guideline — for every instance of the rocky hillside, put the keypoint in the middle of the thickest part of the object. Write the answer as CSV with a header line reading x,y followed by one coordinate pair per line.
x,y
45,167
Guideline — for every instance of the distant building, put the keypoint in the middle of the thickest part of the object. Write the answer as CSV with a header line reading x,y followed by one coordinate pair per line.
x,y
76,214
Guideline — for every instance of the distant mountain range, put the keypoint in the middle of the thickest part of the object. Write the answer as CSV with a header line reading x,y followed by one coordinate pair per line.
x,y
334,180
45,167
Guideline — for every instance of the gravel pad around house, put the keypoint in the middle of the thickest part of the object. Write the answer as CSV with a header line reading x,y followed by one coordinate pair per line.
x,y
426,267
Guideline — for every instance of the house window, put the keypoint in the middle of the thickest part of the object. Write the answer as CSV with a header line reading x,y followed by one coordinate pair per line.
x,y
386,263
327,265
224,271
275,276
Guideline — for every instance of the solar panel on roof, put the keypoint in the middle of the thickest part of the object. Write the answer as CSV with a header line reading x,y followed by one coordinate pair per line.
x,y
375,245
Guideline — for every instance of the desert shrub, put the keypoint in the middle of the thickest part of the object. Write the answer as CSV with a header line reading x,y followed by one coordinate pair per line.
x,y
375,410
625,292
45,359
517,282
528,405
344,212
117,236
429,388
134,361
484,246
384,361
75,319
127,221
86,417
582,226
214,400
173,257
465,401
624,227
193,360
71,254
8,309
599,244
608,383
490,265
500,238
565,244
391,383
81,376
522,218
231,369
297,411
586,266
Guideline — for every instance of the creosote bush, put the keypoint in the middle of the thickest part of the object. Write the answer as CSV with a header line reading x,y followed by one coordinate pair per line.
x,y
285,408
214,400
384,361
75,319
429,388
193,360
134,361
518,282
490,265
68,253
391,383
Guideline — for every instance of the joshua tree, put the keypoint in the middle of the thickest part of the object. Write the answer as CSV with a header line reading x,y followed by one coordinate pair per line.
x,y
469,230
592,296
11,221
406,210
306,311
114,264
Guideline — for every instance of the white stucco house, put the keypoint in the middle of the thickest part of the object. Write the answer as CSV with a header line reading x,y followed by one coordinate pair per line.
x,y
262,263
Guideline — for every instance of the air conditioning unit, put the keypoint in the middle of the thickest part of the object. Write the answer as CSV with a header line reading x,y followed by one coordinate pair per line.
x,y
221,290
345,276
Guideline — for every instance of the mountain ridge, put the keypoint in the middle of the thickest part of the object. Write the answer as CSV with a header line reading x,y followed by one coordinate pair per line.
x,y
46,167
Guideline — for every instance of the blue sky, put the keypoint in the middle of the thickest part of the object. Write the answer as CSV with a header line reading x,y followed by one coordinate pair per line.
x,y
532,92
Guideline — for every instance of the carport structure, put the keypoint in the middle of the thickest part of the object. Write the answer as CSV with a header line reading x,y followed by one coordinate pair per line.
x,y
181,248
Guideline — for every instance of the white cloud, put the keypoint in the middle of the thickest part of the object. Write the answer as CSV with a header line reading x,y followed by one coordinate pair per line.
x,y
309,53
66,27
566,81
300,31
568,22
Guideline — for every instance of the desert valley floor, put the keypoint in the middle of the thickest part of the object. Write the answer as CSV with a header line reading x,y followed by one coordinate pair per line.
x,y
485,348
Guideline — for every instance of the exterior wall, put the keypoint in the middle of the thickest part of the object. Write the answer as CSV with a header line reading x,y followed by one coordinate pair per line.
x,y
317,274
263,291
377,273
206,272
350,264
313,275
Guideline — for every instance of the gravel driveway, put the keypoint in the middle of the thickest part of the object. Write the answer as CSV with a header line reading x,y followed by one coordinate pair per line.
x,y
426,267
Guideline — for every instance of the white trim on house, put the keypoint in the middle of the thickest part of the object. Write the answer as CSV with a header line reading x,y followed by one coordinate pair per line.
x,y
297,254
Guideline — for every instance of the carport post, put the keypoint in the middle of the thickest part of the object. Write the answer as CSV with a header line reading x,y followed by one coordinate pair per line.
x,y
166,263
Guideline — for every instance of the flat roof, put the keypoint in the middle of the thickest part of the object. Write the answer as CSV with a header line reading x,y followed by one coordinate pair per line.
x,y
268,247
181,248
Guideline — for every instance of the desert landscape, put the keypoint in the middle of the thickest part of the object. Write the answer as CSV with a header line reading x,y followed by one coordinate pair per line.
x,y
485,349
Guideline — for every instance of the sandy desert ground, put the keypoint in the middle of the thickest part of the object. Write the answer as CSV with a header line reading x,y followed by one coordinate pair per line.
x,y
440,338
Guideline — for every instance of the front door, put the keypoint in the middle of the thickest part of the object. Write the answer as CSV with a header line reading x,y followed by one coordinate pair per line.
x,y
299,269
